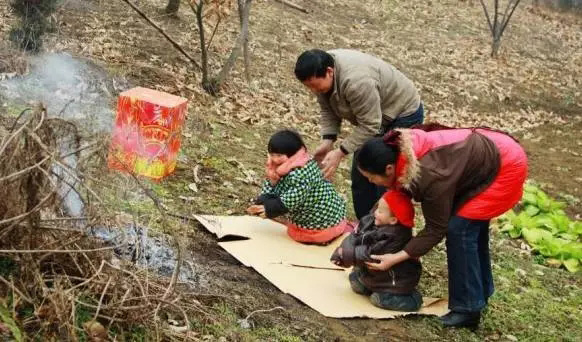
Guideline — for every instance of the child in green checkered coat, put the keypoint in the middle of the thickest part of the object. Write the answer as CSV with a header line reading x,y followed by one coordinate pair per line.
x,y
295,186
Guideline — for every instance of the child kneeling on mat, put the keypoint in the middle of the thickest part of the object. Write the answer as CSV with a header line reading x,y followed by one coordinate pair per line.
x,y
387,230
295,186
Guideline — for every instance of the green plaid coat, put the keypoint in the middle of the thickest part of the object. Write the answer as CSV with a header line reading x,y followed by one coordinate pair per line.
x,y
312,201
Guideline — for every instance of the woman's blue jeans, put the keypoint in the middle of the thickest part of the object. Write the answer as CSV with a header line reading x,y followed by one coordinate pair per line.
x,y
469,264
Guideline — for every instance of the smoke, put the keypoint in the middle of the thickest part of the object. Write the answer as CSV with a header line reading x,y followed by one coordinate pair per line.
x,y
74,90
72,202
69,88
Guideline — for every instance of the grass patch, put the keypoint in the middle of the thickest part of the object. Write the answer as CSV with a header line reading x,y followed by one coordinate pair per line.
x,y
228,327
531,302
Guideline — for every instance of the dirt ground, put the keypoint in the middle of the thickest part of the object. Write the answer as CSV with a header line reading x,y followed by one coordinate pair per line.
x,y
532,90
556,160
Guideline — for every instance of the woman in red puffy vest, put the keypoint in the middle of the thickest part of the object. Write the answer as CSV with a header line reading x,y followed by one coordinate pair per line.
x,y
463,178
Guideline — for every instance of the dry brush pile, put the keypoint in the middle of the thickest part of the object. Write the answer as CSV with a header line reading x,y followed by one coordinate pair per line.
x,y
58,282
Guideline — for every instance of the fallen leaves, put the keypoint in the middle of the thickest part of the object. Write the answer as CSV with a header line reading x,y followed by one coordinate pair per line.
x,y
95,331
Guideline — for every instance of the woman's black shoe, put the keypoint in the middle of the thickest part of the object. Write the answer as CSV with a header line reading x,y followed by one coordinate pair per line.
x,y
462,319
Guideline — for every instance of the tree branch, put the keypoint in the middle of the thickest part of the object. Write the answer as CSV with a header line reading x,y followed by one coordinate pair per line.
x,y
236,49
495,23
506,10
509,17
213,32
487,16
199,19
176,45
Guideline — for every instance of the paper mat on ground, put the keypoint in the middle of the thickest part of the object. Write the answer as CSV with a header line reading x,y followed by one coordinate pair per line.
x,y
268,242
302,271
329,292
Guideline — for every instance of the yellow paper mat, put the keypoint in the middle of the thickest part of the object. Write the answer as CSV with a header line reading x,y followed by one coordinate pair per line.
x,y
303,271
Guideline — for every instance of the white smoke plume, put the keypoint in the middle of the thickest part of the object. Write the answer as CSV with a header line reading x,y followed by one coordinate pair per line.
x,y
69,88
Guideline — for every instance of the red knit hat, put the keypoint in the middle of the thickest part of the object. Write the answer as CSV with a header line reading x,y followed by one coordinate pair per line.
x,y
401,207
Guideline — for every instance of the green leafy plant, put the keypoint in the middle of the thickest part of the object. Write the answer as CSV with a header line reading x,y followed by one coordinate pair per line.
x,y
544,225
9,323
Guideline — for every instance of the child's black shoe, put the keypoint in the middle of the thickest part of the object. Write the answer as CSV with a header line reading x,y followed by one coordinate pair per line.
x,y
356,284
389,301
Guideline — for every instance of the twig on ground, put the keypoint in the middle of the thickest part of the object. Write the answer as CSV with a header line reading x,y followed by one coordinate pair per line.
x,y
23,171
101,298
65,107
65,219
176,45
32,211
87,258
90,279
143,292
189,218
15,289
29,251
122,301
292,5
263,311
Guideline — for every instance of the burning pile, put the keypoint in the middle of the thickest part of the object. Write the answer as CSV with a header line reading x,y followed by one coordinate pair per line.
x,y
62,282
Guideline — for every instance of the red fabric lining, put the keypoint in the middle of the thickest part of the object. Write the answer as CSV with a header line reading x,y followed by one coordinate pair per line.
x,y
318,236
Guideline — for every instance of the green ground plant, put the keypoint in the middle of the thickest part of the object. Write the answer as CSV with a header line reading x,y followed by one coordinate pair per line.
x,y
545,226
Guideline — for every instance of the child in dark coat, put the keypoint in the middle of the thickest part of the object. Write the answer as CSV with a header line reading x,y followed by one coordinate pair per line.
x,y
387,230
295,186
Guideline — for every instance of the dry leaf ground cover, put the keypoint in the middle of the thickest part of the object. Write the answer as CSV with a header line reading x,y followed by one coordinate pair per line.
x,y
532,90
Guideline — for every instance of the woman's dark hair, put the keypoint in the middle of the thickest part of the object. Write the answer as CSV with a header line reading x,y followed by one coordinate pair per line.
x,y
312,63
285,142
375,155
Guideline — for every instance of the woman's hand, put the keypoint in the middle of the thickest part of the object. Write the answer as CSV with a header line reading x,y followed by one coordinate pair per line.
x,y
257,210
386,261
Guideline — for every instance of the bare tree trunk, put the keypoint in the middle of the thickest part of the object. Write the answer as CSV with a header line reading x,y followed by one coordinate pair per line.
x,y
173,6
498,24
217,81
495,44
203,48
241,7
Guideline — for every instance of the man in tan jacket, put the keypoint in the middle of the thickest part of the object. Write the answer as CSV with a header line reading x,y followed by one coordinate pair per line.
x,y
366,91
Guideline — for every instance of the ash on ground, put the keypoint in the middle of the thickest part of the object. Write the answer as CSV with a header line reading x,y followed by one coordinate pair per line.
x,y
152,252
